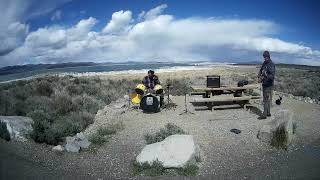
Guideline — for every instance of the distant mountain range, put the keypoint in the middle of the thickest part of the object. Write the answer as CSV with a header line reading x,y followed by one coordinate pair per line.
x,y
37,67
32,67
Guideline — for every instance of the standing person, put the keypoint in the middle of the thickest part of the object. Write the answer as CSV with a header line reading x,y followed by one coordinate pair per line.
x,y
266,77
150,81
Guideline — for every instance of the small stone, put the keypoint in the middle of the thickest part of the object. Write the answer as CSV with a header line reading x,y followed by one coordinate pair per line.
x,y
126,97
236,131
58,148
80,136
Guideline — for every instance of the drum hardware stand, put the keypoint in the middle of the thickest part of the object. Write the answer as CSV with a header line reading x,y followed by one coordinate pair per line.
x,y
186,111
170,104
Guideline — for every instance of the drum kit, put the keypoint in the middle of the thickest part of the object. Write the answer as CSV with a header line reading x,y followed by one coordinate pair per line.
x,y
149,99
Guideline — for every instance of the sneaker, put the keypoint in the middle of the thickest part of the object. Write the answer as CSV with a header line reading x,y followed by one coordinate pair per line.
x,y
268,115
262,117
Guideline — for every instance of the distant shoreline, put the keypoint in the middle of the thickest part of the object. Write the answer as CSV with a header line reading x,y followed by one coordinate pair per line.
x,y
134,68
109,70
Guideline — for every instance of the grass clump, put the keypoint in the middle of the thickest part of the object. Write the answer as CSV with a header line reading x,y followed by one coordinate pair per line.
x,y
104,133
157,169
188,170
170,129
98,139
280,139
4,133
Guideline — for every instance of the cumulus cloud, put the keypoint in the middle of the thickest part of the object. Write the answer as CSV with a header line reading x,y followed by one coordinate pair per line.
x,y
14,14
119,23
160,37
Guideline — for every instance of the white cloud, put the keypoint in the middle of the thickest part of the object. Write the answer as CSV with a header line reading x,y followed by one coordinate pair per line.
x,y
14,14
56,15
153,13
119,23
160,37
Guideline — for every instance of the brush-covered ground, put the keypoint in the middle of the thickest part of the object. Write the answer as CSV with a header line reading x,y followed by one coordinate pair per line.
x,y
223,154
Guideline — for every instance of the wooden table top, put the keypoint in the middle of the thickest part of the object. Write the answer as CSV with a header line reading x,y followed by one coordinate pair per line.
x,y
231,88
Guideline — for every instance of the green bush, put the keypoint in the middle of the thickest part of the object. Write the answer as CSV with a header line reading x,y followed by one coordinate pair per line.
x,y
74,89
43,88
43,103
97,139
42,122
104,133
62,103
169,130
88,103
4,133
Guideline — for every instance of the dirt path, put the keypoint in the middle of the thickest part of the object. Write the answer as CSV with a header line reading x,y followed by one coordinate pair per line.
x,y
224,154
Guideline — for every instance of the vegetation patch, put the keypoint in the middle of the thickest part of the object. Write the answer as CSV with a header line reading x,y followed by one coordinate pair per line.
x,y
170,129
188,170
103,134
280,139
157,169
4,133
60,106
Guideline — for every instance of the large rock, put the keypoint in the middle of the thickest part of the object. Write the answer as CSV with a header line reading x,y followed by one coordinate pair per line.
x,y
282,120
19,127
173,152
75,143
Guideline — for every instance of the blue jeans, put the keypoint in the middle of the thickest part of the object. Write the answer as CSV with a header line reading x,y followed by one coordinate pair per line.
x,y
267,99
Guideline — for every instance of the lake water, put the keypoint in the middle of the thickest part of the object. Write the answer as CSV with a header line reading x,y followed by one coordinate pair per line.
x,y
112,68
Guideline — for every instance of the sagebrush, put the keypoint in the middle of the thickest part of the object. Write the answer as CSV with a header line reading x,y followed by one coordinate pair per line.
x,y
170,129
60,106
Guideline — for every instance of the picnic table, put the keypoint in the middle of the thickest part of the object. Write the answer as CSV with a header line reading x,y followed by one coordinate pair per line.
x,y
223,95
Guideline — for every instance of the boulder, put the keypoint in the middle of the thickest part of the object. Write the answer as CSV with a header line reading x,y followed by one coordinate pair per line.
x,y
173,152
75,143
282,120
72,147
265,134
19,127
58,148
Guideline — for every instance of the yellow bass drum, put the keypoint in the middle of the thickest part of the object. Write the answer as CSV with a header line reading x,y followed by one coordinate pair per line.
x,y
136,98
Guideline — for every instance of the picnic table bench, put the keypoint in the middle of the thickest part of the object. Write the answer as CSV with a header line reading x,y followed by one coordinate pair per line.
x,y
224,94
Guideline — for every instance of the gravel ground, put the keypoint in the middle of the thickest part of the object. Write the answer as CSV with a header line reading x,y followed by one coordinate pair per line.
x,y
224,155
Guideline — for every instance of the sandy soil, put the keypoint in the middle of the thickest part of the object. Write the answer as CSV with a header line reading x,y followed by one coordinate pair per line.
x,y
224,155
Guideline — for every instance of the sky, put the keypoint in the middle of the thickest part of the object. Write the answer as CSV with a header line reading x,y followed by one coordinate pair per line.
x,y
235,31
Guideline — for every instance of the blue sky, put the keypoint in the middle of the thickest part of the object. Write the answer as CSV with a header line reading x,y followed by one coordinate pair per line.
x,y
117,30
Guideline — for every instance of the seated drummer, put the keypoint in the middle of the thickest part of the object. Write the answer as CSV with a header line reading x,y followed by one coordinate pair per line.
x,y
151,81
